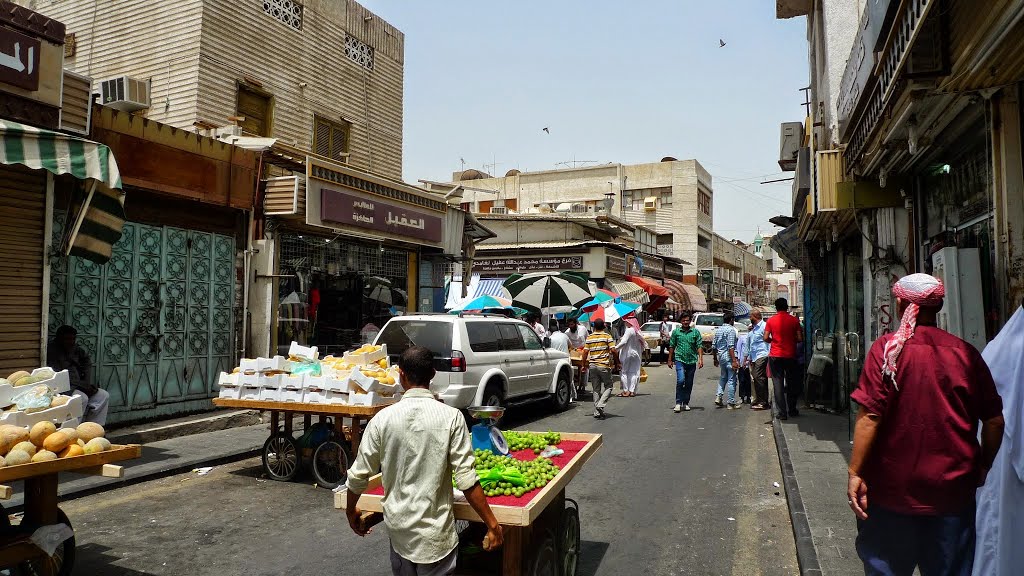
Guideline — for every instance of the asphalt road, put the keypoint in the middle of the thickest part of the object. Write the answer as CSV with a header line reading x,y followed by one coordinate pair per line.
x,y
667,494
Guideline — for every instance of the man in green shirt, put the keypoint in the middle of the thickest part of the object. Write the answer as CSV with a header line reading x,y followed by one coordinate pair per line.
x,y
685,355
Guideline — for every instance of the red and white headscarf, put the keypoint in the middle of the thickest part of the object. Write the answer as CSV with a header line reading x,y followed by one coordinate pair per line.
x,y
917,290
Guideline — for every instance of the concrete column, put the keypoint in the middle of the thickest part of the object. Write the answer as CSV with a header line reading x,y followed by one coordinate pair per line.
x,y
1008,199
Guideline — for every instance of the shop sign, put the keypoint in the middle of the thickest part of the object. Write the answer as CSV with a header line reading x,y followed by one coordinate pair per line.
x,y
530,264
861,62
378,215
615,264
19,59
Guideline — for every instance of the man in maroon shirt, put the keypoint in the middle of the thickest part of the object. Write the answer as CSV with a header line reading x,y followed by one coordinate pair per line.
x,y
916,460
783,331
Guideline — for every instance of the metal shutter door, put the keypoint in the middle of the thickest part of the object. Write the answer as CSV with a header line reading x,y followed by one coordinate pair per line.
x,y
22,209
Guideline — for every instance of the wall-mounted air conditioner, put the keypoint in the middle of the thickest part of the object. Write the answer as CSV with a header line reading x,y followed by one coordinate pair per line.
x,y
125,93
499,210
650,203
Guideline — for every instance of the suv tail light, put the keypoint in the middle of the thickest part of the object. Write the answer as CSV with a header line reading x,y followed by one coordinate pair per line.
x,y
458,361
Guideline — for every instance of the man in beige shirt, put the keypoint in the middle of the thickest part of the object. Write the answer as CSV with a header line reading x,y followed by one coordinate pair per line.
x,y
416,445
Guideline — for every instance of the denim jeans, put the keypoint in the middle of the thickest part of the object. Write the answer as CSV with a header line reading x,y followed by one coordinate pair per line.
x,y
684,382
727,381
893,544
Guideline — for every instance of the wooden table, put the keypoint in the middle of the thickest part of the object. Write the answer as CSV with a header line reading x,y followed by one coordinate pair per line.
x,y
282,455
523,527
41,501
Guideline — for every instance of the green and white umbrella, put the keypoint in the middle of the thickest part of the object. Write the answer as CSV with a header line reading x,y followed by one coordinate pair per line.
x,y
548,292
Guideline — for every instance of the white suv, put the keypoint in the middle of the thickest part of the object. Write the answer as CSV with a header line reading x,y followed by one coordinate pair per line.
x,y
483,360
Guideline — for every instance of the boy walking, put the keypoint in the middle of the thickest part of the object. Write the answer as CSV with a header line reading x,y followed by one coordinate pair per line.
x,y
685,356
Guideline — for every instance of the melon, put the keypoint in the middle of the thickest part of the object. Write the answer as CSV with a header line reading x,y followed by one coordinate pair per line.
x,y
56,442
14,377
15,457
26,447
40,431
72,450
71,433
59,400
89,430
2,462
11,435
97,445
81,443
44,456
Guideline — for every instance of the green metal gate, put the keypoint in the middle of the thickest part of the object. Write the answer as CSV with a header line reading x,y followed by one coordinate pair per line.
x,y
157,319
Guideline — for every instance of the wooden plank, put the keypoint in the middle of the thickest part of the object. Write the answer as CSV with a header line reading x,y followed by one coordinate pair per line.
x,y
105,470
6,492
515,539
301,407
565,475
71,464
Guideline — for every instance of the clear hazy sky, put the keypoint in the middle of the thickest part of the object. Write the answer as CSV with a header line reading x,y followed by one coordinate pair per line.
x,y
624,81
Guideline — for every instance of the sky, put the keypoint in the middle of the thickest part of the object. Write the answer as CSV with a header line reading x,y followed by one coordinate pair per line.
x,y
628,82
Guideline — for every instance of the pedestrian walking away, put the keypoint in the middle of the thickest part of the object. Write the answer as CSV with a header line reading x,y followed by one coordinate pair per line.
x,y
559,341
416,445
724,344
664,333
686,355
743,374
757,360
630,350
599,358
916,460
783,332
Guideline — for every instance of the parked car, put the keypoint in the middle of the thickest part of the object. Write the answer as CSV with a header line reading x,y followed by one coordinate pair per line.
x,y
483,359
707,322
651,332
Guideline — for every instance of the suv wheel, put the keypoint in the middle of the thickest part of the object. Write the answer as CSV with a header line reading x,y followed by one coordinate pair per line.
x,y
493,395
560,399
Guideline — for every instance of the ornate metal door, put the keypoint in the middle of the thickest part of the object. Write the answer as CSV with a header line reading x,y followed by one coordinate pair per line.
x,y
157,319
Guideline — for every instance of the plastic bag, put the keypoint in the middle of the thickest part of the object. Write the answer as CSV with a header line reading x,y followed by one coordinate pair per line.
x,y
34,399
551,451
306,366
48,538
501,474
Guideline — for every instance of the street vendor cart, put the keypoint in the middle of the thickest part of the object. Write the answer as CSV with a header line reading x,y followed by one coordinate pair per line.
x,y
17,549
541,530
329,444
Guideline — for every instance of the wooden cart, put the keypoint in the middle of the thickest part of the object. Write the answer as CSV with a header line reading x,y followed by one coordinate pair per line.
x,y
541,537
16,548
330,451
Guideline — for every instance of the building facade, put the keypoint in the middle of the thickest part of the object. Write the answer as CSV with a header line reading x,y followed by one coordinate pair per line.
x,y
909,160
207,64
674,198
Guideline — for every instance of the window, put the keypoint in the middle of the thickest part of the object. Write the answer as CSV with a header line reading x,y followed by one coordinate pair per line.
x,y
530,338
400,335
510,338
359,52
633,199
482,337
704,202
666,197
287,11
254,106
330,139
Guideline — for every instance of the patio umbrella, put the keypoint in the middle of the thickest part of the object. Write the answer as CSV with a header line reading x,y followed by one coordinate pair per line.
x,y
741,309
487,302
601,296
547,293
610,312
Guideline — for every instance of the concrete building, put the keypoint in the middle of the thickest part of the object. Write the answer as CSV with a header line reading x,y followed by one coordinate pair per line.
x,y
738,273
196,64
672,197
782,280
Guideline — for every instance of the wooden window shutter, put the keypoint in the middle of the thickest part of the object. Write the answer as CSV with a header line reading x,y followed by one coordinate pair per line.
x,y
338,138
322,138
255,108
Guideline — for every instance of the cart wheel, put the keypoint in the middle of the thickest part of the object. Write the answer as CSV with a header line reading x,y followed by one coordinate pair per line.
x,y
281,457
545,561
330,464
63,560
569,544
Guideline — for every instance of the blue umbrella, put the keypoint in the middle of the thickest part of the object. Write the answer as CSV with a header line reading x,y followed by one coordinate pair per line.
x,y
741,309
488,302
610,311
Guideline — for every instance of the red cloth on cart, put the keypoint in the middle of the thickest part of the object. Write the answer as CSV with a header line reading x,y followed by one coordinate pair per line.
x,y
570,448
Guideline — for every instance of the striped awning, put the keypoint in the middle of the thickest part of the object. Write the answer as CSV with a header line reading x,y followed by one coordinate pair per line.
x,y
488,287
629,291
98,224
688,296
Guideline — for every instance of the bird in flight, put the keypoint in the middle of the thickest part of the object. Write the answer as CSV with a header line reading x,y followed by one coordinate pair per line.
x,y
721,43
546,129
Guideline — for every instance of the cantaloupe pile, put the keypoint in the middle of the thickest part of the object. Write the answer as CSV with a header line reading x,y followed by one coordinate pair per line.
x,y
23,378
45,442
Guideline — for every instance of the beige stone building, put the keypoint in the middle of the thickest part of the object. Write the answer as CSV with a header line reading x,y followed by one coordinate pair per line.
x,y
195,64
672,197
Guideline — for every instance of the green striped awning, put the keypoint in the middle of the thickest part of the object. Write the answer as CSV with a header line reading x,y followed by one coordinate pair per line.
x,y
86,160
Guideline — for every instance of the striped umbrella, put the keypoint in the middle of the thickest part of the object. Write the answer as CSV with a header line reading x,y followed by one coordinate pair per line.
x,y
601,296
546,292
610,311
98,224
487,302
741,309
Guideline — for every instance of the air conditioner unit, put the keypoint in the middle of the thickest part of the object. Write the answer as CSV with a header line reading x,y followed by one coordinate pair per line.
x,y
650,204
579,208
124,93
499,210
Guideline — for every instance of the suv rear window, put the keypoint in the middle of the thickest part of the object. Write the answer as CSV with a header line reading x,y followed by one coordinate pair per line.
x,y
482,337
710,321
400,335
651,327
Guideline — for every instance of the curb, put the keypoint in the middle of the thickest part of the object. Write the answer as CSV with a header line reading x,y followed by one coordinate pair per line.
x,y
806,554
156,431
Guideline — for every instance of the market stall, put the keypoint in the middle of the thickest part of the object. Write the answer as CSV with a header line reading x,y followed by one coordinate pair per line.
x,y
541,527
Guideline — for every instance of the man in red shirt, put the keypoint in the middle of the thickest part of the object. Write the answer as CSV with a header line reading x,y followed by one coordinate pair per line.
x,y
783,331
916,460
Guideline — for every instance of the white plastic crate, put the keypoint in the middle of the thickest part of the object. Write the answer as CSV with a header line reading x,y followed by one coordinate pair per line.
x,y
59,415
297,349
314,395
336,397
249,391
366,357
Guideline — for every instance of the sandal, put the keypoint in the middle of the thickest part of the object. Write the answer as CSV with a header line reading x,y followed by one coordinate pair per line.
x,y
622,394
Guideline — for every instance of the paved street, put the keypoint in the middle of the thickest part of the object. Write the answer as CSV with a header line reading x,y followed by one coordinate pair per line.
x,y
688,493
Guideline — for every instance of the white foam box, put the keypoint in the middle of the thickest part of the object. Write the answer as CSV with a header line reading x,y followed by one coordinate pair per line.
x,y
59,415
366,357
292,387
60,382
368,399
336,384
336,397
275,363
249,387
230,385
314,395
249,364
270,388
297,349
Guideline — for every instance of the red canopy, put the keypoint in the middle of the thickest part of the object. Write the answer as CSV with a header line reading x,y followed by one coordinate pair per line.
x,y
657,293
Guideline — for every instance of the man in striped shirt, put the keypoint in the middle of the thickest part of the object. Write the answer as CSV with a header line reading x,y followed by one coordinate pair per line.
x,y
599,358
416,445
